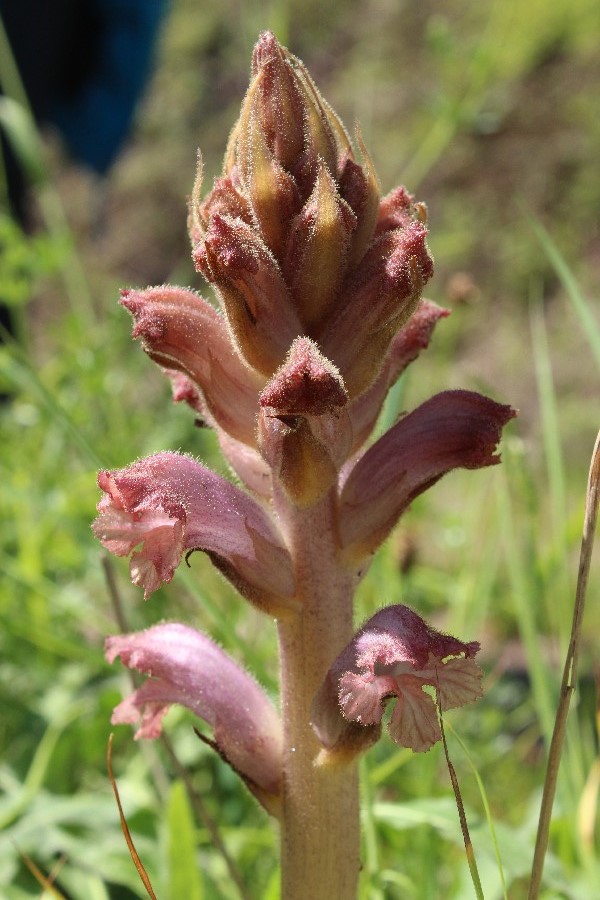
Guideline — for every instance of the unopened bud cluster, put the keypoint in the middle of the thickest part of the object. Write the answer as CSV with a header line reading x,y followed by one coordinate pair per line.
x,y
295,236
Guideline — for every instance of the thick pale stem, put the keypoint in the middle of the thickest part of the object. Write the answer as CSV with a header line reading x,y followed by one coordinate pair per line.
x,y
320,823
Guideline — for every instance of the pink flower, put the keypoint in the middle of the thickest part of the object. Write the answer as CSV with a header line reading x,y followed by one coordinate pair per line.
x,y
395,654
454,429
168,503
181,331
186,667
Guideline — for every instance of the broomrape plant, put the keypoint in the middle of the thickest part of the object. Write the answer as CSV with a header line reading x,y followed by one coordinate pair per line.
x,y
319,281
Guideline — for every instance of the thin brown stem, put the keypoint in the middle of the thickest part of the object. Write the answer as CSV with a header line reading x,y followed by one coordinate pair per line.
x,y
114,592
569,678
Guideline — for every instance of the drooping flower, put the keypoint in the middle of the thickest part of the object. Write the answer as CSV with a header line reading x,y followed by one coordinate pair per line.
x,y
187,668
395,654
454,429
170,504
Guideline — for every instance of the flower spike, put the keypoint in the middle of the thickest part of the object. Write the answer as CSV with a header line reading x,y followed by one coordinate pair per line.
x,y
319,282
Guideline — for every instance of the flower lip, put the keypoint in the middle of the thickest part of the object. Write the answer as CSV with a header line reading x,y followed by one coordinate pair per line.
x,y
395,654
168,503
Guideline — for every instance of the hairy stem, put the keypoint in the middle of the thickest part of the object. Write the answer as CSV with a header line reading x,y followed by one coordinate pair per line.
x,y
320,823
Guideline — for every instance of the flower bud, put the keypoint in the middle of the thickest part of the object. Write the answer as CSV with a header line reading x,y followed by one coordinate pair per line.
x,y
396,210
253,293
180,330
380,296
273,192
317,250
225,200
404,349
303,430
278,101
360,189
325,136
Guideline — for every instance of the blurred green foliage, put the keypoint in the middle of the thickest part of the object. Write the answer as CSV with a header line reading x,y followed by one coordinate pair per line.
x,y
490,112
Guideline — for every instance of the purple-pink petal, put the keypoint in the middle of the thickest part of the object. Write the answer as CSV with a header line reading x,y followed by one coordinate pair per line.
x,y
455,429
168,503
395,654
181,331
187,668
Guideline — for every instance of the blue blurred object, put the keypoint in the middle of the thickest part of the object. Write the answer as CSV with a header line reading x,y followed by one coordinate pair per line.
x,y
84,64
94,120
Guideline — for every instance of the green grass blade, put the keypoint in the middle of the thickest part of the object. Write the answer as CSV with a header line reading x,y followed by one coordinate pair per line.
x,y
557,493
486,808
184,875
18,371
581,305
523,591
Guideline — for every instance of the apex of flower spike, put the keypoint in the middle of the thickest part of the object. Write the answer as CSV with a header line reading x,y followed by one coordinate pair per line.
x,y
295,237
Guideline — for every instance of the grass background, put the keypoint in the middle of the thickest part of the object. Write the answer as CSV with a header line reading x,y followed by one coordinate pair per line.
x,y
488,112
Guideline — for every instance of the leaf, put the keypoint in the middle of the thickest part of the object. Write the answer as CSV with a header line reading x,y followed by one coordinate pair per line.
x,y
184,876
